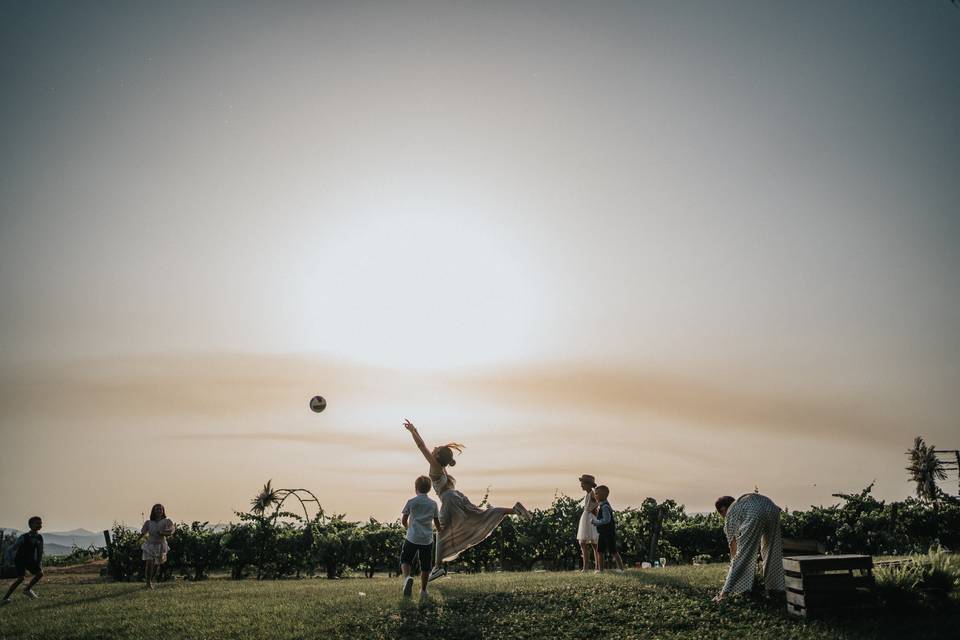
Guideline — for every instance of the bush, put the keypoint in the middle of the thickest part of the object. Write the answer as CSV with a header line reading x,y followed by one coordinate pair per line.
x,y
922,580
195,549
898,586
284,544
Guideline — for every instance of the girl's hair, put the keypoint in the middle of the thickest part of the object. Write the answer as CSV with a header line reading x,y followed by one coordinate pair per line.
x,y
163,512
444,453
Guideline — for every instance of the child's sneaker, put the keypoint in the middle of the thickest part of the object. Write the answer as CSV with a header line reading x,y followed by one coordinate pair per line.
x,y
424,595
5,601
30,593
408,587
438,572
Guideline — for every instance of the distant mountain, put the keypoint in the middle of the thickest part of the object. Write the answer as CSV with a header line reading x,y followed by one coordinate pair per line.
x,y
50,549
67,540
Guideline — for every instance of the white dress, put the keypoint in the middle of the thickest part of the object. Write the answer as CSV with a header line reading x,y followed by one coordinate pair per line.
x,y
155,547
586,532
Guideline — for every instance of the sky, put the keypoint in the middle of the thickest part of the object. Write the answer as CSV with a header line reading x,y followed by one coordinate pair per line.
x,y
691,248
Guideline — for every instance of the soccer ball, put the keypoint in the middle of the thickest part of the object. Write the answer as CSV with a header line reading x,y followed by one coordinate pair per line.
x,y
318,404
167,527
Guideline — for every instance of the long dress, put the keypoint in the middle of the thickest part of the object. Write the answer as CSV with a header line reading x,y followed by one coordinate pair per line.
x,y
587,533
754,520
463,523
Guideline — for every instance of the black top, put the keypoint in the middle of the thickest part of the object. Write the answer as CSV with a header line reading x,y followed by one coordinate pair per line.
x,y
29,548
605,523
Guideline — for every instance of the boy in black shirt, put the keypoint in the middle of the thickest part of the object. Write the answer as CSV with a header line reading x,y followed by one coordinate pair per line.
x,y
607,528
27,554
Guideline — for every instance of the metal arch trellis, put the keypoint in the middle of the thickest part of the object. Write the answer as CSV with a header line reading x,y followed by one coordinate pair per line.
x,y
948,464
304,497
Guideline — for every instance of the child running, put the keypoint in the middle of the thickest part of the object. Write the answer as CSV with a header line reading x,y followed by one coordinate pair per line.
x,y
155,548
420,514
27,554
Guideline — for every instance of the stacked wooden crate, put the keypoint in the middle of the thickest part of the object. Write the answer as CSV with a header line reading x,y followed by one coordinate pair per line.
x,y
818,585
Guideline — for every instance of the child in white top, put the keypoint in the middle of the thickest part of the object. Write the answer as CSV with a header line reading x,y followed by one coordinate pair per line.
x,y
420,514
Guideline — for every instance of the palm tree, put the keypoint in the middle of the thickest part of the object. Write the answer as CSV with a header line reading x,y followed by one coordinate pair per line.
x,y
925,469
265,499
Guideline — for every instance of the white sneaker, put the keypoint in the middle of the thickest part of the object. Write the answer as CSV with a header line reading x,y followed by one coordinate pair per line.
x,y
408,587
31,594
438,572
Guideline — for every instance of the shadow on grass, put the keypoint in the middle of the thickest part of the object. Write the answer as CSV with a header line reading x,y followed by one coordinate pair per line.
x,y
106,596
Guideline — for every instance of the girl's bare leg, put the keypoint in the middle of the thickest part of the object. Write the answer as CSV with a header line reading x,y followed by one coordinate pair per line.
x,y
584,550
149,574
597,558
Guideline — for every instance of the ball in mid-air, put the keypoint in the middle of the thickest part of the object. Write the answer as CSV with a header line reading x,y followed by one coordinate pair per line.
x,y
318,404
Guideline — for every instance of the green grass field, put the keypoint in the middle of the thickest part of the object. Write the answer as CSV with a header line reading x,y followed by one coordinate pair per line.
x,y
666,603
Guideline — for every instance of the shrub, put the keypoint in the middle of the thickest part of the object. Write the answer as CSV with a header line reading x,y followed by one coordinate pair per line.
x,y
898,586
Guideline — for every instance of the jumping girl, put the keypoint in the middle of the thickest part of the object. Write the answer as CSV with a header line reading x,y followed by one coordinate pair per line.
x,y
462,523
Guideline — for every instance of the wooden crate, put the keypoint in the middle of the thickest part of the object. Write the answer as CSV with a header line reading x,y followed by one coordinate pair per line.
x,y
802,547
818,585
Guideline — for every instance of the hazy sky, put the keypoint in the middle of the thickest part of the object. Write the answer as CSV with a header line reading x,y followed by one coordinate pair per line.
x,y
688,247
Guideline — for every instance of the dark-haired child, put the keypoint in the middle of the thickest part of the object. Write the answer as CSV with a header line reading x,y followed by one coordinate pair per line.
x,y
606,529
27,554
420,514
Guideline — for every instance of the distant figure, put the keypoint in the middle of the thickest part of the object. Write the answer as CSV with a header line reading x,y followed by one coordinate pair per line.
x,y
462,523
587,534
606,529
155,548
27,555
752,524
420,514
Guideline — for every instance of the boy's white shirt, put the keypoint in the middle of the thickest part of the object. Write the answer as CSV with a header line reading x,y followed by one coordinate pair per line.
x,y
421,511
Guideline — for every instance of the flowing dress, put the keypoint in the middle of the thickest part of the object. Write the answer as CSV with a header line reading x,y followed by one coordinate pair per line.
x,y
754,520
463,523
587,533
155,548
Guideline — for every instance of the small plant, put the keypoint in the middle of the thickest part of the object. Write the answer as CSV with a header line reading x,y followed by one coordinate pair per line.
x,y
898,586
939,573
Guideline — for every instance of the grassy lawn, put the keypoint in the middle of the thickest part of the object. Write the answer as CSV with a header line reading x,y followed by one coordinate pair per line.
x,y
666,603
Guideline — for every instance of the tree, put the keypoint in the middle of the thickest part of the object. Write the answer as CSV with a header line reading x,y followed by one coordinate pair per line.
x,y
925,469
267,497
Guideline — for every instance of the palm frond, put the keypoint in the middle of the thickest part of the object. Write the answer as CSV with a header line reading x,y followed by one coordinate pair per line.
x,y
265,499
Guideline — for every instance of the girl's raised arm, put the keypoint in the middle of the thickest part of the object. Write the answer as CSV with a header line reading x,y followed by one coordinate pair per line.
x,y
420,444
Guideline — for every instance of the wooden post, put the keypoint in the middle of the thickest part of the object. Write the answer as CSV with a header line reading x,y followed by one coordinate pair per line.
x,y
106,538
655,535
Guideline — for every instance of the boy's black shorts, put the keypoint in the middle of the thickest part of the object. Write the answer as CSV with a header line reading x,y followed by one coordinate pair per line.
x,y
607,542
425,551
22,567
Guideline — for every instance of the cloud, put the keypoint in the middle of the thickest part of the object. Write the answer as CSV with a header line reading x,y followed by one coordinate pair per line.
x,y
729,402
327,438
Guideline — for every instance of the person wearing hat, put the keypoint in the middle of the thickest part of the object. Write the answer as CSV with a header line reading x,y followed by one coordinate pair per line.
x,y
587,534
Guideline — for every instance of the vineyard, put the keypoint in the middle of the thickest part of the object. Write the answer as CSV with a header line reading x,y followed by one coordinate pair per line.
x,y
284,544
